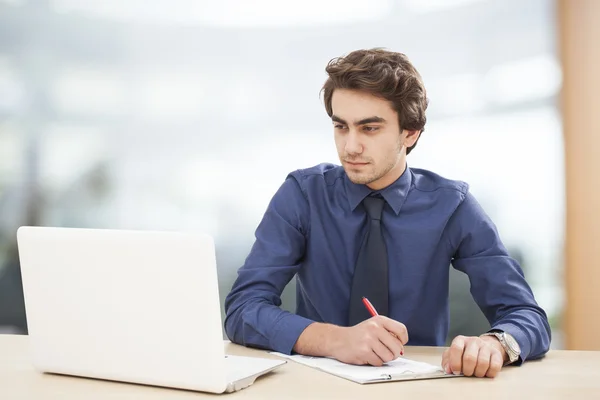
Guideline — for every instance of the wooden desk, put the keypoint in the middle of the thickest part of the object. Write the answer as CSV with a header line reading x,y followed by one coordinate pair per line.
x,y
561,375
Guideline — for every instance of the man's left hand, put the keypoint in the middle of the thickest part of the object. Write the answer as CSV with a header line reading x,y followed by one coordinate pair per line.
x,y
474,356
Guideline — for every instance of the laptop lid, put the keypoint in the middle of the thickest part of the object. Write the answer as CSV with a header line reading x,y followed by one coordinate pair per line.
x,y
133,306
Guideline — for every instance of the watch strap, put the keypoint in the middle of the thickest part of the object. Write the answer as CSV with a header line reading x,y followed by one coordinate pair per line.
x,y
512,355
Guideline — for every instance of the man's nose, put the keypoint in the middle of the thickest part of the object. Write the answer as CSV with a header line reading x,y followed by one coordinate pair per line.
x,y
353,145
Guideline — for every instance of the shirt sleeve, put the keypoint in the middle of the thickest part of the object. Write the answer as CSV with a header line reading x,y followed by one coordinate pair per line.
x,y
253,314
498,285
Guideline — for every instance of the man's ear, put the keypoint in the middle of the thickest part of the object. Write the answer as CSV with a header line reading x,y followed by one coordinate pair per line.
x,y
411,137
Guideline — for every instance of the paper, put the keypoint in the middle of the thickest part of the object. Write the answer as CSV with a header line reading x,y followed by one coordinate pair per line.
x,y
400,368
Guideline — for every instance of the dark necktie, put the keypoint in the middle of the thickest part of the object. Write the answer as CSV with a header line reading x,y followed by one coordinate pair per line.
x,y
371,272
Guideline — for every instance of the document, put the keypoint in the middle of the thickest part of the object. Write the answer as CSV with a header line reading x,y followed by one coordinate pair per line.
x,y
396,370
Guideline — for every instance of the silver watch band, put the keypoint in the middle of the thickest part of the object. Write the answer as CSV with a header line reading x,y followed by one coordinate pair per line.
x,y
512,349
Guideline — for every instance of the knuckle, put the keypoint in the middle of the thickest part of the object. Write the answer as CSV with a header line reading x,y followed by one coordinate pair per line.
x,y
372,325
484,361
458,340
469,358
364,350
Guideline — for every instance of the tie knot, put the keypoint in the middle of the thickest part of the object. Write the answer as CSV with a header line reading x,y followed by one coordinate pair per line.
x,y
374,206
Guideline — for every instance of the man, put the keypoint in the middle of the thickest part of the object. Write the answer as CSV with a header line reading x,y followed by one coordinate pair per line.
x,y
377,229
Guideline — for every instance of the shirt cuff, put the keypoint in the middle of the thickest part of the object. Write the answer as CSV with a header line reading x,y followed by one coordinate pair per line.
x,y
287,331
519,336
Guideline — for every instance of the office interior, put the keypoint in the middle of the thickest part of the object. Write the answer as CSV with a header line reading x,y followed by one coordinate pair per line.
x,y
188,115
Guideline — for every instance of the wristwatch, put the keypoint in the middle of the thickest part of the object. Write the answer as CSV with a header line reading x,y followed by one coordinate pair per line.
x,y
509,344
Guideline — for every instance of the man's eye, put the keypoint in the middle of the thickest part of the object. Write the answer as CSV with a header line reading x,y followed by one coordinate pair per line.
x,y
339,126
370,128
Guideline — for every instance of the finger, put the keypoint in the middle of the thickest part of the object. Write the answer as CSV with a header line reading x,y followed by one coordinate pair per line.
x,y
469,359
445,365
495,364
373,359
483,361
382,351
391,342
455,354
395,327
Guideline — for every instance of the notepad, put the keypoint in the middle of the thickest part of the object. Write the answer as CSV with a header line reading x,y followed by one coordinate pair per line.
x,y
396,370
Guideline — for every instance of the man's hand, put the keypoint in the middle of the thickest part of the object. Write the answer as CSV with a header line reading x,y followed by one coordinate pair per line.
x,y
375,341
471,355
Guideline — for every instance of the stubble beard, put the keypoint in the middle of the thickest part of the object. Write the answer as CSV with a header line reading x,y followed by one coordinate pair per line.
x,y
367,177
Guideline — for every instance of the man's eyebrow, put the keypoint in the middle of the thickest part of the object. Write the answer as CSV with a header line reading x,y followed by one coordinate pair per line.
x,y
364,121
370,120
335,118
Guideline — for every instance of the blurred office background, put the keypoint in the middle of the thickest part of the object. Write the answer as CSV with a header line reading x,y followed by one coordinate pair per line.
x,y
188,114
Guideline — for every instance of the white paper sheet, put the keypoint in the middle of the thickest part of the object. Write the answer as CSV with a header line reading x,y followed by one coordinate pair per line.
x,y
400,368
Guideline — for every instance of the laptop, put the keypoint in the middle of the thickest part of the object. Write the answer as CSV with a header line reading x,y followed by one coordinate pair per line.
x,y
131,306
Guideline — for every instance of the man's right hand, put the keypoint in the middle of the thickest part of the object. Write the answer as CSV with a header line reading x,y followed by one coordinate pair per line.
x,y
374,342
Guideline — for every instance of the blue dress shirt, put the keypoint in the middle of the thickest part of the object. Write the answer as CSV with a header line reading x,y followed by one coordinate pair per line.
x,y
313,228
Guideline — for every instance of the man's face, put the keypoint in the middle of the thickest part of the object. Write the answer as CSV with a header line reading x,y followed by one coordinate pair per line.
x,y
369,143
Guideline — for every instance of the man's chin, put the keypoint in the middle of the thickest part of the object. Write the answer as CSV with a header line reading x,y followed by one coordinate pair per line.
x,y
358,178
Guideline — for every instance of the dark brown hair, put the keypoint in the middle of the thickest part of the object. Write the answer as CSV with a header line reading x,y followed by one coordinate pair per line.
x,y
385,74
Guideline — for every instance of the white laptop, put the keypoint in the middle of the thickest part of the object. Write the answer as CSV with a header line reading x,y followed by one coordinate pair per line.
x,y
130,306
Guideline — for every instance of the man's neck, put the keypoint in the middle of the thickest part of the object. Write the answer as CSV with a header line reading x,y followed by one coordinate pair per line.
x,y
389,178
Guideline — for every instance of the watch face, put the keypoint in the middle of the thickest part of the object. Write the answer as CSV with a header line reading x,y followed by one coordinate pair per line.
x,y
512,343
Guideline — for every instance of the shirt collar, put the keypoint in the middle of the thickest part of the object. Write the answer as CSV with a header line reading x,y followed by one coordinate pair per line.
x,y
394,194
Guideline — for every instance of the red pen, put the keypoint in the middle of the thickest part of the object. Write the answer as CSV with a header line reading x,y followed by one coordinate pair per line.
x,y
369,306
373,313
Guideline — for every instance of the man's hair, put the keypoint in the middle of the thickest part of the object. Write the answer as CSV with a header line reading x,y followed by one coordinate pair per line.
x,y
385,74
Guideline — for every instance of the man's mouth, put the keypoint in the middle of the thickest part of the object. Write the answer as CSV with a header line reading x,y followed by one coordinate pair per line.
x,y
356,163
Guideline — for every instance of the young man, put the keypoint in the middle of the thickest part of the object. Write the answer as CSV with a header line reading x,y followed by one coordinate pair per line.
x,y
377,229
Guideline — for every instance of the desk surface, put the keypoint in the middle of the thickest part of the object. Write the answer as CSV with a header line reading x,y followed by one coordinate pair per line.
x,y
560,375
